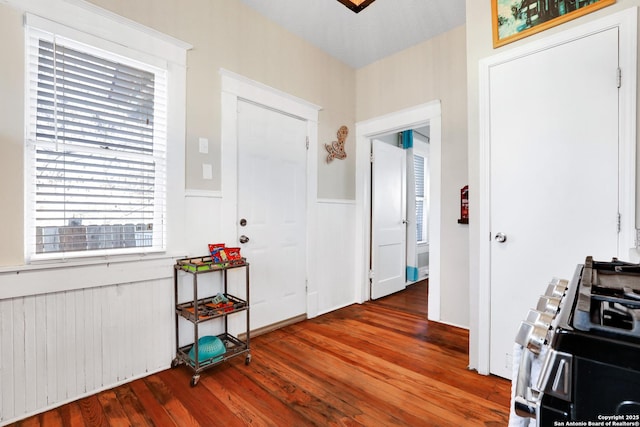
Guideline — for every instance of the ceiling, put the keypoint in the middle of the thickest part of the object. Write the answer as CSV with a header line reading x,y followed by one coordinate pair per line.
x,y
358,39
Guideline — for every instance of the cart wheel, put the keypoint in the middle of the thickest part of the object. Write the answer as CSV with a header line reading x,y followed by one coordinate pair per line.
x,y
175,362
247,359
194,380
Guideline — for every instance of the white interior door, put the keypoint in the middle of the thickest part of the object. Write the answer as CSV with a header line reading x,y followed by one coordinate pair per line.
x,y
554,174
389,231
272,201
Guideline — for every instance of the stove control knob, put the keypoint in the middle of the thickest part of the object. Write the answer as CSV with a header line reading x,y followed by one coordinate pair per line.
x,y
556,288
537,339
540,318
560,282
532,337
522,337
548,304
554,291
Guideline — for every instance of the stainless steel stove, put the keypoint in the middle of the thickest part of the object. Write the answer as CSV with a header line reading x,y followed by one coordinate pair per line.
x,y
580,359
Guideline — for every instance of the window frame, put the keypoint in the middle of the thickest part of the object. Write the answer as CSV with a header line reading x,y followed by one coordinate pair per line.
x,y
33,38
110,33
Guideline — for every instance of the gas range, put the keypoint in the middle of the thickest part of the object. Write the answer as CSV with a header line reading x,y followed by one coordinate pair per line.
x,y
580,359
609,299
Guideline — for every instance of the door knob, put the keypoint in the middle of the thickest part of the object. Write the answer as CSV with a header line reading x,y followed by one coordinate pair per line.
x,y
501,237
243,239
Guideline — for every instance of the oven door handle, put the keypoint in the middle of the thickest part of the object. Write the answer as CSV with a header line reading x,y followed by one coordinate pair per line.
x,y
525,401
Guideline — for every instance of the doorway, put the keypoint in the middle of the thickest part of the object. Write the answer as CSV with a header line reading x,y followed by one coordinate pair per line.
x,y
399,210
412,118
247,103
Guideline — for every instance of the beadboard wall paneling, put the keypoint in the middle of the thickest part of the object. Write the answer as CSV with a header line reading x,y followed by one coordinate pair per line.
x,y
335,254
58,347
203,213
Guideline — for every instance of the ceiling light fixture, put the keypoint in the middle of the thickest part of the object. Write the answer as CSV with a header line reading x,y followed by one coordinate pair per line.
x,y
356,5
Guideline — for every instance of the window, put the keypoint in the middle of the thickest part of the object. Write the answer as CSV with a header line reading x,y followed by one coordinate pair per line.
x,y
96,151
421,201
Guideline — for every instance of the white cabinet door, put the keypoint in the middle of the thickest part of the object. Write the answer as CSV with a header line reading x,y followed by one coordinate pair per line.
x,y
554,174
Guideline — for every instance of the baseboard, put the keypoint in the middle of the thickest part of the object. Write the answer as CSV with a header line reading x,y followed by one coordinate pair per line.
x,y
455,325
337,307
274,326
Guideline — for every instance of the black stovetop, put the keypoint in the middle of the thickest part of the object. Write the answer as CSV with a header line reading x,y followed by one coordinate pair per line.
x,y
586,327
609,299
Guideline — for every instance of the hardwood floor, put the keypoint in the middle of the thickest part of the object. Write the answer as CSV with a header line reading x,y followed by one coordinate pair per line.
x,y
376,364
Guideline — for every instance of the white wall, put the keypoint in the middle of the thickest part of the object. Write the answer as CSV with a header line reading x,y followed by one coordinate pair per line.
x,y
434,70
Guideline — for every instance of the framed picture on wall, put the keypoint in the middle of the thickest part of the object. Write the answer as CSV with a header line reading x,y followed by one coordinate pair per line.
x,y
515,19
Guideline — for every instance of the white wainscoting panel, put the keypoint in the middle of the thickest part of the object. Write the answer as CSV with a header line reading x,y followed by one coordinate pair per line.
x,y
334,241
58,347
203,219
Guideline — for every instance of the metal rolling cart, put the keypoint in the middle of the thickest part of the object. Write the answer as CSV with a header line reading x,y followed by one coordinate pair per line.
x,y
207,308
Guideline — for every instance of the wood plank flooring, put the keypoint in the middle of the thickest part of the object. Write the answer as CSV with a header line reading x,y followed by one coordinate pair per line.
x,y
376,364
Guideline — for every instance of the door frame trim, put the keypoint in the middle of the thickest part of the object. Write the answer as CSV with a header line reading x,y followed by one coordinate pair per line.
x,y
420,115
235,87
626,22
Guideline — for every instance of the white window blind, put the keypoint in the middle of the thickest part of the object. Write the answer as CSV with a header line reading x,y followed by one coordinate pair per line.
x,y
96,151
418,167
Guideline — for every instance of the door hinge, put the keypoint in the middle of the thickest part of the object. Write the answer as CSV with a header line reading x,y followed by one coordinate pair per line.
x,y
619,77
619,222
370,274
371,157
307,142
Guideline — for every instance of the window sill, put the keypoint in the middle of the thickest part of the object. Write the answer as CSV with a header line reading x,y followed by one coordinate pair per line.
x,y
59,276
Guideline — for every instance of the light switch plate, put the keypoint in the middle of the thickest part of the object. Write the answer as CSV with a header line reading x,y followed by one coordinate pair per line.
x,y
203,145
207,171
